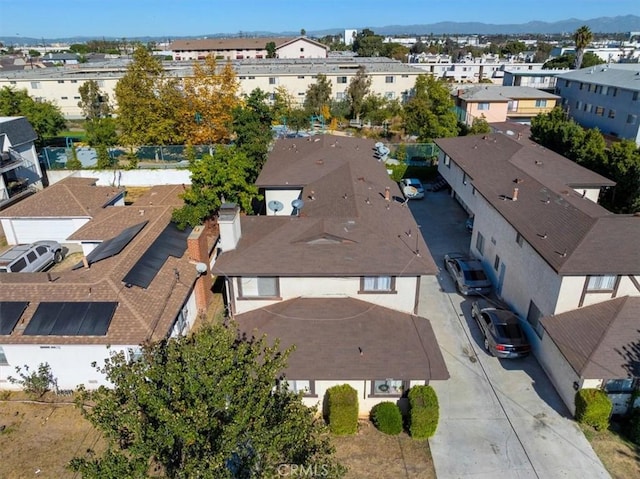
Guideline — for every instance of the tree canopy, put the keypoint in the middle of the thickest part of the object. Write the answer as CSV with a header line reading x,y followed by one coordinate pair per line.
x,y
357,90
148,103
367,43
589,59
210,96
225,173
45,117
429,112
619,162
100,127
582,38
204,405
318,94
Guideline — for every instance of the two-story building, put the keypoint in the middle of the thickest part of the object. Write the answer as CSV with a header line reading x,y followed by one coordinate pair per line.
x,y
551,251
501,103
246,48
20,172
334,267
606,97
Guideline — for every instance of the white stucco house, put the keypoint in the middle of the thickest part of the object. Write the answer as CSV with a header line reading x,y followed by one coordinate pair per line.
x,y
20,172
137,282
332,266
56,212
550,249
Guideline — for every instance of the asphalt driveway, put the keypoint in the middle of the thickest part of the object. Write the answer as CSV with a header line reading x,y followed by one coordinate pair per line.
x,y
498,417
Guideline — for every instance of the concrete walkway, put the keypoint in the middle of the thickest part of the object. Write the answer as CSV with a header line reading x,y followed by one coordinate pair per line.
x,y
498,418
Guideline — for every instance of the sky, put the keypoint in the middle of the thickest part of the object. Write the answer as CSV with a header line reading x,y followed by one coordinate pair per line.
x,y
167,18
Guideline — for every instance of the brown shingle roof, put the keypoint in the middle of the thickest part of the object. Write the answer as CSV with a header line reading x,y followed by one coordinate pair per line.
x,y
209,44
599,341
141,313
330,333
348,229
71,197
566,229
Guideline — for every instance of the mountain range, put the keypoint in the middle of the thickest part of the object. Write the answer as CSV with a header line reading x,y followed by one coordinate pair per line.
x,y
620,24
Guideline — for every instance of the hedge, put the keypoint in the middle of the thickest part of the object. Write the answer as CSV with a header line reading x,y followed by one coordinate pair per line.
x,y
632,429
423,412
386,417
343,409
593,407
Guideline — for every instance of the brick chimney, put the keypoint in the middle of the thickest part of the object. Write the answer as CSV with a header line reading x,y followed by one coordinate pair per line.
x,y
229,224
514,197
387,193
199,253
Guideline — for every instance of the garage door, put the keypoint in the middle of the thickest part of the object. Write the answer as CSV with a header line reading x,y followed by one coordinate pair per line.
x,y
30,230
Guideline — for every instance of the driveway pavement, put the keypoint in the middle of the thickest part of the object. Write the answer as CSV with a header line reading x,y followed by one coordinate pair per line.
x,y
498,417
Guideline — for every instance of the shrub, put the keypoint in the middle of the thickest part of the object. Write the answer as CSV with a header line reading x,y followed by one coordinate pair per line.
x,y
386,417
343,409
632,429
423,412
593,407
34,383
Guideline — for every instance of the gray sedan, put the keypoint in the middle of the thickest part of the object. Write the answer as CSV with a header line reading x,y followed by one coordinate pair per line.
x,y
468,274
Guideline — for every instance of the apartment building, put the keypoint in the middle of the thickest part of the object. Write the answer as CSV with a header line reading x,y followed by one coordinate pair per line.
x,y
389,78
606,97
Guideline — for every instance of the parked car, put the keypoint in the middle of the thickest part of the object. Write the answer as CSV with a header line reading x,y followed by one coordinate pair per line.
x,y
412,188
503,335
468,274
30,258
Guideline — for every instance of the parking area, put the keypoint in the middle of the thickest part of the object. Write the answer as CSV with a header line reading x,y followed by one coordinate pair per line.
x,y
498,417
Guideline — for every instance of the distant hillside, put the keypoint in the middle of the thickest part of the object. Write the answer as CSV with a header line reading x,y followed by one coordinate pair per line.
x,y
621,24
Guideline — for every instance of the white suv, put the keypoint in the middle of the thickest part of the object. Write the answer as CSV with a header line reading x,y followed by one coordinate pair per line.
x,y
31,258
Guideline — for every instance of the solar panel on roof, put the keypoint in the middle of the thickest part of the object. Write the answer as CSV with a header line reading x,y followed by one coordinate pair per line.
x,y
113,246
10,312
71,319
171,242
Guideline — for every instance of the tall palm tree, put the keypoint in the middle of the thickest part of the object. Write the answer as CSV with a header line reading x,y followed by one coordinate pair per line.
x,y
582,38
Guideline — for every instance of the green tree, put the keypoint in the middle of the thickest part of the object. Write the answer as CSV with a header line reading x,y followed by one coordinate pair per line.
x,y
318,95
283,104
252,127
479,126
148,103
367,43
429,112
378,109
543,49
557,133
395,50
589,59
44,116
204,405
73,163
225,173
93,101
298,119
582,38
623,166
513,48
271,49
357,90
104,160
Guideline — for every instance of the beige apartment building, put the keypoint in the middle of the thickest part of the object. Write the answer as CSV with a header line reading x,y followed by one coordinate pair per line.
x,y
389,78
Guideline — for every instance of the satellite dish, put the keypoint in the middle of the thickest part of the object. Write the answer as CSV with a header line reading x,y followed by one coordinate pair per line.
x,y
379,144
510,133
297,204
275,206
201,268
410,191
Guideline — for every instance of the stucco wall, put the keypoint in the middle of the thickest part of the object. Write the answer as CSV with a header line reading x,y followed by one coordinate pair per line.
x,y
327,287
559,371
283,196
309,50
572,288
122,178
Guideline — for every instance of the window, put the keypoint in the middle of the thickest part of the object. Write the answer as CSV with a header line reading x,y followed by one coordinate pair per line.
x,y
300,77
272,80
340,95
567,83
301,49
19,265
635,96
76,97
519,239
388,387
13,82
631,119
31,256
496,263
581,85
304,386
605,90
465,179
614,91
341,79
377,284
483,106
60,81
36,85
64,98
533,318
74,81
389,79
599,111
578,105
180,325
612,114
252,78
588,107
3,358
101,83
601,283
541,103
405,76
390,95
259,287
599,89
619,386
242,78
447,160
480,243
134,354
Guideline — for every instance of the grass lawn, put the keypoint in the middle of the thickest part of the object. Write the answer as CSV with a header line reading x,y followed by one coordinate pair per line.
x,y
619,456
